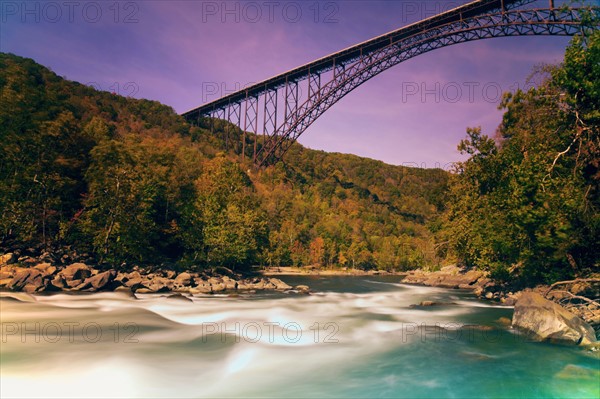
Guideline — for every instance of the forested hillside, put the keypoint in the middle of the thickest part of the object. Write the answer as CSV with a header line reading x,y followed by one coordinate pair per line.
x,y
130,181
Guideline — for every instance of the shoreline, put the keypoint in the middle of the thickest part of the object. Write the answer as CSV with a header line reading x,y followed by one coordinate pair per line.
x,y
33,275
305,271
42,278
38,277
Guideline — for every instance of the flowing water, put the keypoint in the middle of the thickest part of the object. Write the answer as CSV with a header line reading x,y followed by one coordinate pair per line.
x,y
355,337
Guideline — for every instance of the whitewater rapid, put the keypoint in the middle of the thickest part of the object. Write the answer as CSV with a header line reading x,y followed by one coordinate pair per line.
x,y
333,343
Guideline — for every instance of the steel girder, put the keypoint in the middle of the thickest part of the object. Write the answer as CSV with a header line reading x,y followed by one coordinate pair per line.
x,y
326,85
564,22
327,63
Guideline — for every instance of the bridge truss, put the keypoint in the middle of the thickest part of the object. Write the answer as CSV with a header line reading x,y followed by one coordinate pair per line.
x,y
278,110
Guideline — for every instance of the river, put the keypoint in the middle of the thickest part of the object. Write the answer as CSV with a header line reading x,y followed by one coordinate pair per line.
x,y
354,337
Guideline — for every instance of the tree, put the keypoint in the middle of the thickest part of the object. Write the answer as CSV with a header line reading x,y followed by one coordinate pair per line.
x,y
233,230
525,205
317,251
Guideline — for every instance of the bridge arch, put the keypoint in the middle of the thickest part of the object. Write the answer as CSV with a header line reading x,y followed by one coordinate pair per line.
x,y
329,79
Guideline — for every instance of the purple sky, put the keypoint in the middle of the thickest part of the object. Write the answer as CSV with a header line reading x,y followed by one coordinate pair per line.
x,y
172,51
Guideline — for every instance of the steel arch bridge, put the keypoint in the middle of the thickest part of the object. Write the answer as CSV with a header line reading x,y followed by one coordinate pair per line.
x,y
281,108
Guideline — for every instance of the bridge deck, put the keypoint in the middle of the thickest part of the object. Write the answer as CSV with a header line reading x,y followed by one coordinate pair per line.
x,y
328,62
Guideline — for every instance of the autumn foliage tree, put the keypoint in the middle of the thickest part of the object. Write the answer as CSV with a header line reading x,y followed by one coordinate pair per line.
x,y
525,204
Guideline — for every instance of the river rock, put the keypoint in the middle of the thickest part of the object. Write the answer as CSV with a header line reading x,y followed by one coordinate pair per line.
x,y
578,373
184,279
545,320
432,303
8,259
73,285
169,273
179,297
7,273
280,285
76,271
46,268
447,277
125,291
158,284
230,284
28,280
201,288
58,283
218,287
102,280
304,289
132,280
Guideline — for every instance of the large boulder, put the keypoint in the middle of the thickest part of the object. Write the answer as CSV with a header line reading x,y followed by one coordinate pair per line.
x,y
544,320
447,277
101,280
8,259
58,283
279,285
7,272
28,280
184,279
76,271
46,268
155,284
132,280
202,287
230,284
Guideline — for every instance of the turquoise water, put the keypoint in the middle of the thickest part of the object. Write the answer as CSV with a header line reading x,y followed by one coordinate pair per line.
x,y
355,337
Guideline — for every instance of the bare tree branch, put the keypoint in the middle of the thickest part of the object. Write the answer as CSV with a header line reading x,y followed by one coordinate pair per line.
x,y
578,280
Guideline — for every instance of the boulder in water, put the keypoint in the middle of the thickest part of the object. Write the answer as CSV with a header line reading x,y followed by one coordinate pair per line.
x,y
545,320
304,289
279,285
179,297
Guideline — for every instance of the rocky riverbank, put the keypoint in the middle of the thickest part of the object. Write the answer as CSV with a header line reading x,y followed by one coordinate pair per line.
x,y
454,277
552,313
32,275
